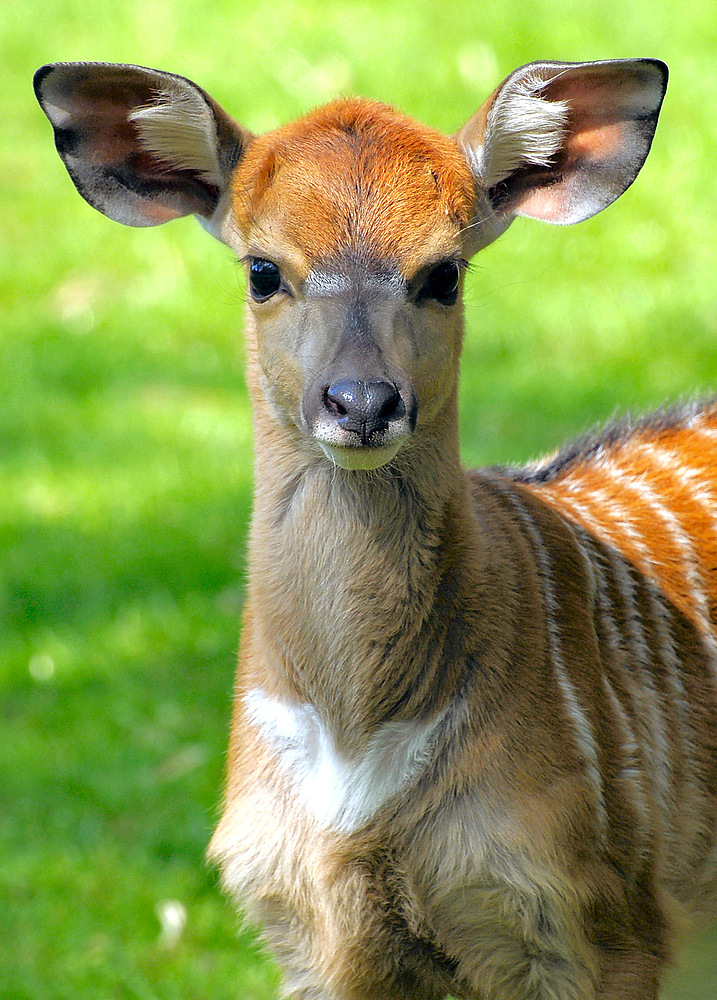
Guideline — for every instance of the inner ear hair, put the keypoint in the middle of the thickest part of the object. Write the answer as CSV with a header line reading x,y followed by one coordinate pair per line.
x,y
522,129
179,129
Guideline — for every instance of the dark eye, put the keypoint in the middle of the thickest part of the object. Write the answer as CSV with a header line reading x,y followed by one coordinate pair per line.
x,y
442,283
264,279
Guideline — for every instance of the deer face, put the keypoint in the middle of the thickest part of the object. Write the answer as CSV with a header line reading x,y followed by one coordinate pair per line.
x,y
350,224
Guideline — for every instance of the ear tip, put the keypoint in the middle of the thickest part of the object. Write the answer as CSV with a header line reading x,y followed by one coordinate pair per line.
x,y
63,73
659,78
40,76
662,69
656,74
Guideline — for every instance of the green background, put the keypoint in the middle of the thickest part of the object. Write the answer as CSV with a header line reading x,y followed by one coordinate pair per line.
x,y
125,444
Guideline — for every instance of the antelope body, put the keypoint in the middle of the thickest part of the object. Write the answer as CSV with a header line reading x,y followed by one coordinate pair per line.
x,y
474,746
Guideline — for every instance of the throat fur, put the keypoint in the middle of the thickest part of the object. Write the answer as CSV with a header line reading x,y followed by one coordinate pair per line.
x,y
367,577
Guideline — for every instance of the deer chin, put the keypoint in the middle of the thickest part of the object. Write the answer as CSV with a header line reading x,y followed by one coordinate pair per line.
x,y
361,457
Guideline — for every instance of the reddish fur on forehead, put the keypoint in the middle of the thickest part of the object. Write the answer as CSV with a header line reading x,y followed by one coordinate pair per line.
x,y
355,175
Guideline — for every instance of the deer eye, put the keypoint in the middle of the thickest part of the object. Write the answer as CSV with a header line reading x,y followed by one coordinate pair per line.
x,y
264,279
442,283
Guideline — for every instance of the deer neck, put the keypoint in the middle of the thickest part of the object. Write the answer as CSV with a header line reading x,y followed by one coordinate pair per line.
x,y
357,577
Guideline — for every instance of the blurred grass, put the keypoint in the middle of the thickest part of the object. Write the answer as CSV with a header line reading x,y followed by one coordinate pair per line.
x,y
125,461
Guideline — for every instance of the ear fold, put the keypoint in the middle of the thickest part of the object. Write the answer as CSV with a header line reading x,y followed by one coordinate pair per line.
x,y
561,141
141,146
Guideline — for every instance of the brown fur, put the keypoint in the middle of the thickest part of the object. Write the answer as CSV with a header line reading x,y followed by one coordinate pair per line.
x,y
354,175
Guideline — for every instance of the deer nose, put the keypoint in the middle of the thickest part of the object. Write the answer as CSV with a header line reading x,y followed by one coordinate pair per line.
x,y
364,407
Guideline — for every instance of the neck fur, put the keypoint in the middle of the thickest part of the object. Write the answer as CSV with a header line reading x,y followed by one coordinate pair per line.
x,y
357,578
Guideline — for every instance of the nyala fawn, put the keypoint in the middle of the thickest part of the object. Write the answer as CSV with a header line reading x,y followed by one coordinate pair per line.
x,y
474,746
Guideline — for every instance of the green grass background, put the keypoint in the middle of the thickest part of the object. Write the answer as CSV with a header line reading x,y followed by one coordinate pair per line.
x,y
125,446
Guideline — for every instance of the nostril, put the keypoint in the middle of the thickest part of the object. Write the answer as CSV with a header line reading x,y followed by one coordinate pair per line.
x,y
332,403
391,404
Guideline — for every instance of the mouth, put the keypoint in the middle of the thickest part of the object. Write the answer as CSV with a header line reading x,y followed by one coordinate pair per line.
x,y
360,456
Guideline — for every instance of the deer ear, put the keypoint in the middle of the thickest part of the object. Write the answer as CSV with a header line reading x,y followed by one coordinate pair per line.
x,y
562,141
141,146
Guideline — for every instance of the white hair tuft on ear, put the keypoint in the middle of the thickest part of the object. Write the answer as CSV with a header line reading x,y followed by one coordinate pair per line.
x,y
521,130
179,129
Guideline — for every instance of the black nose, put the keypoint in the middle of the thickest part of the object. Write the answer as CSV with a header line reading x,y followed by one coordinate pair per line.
x,y
364,407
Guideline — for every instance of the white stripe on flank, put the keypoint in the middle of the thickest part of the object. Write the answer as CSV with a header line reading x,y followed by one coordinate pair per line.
x,y
681,539
632,770
699,427
686,821
646,697
583,730
601,529
337,790
692,480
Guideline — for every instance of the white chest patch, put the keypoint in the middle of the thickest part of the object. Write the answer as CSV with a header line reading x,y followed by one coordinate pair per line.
x,y
339,791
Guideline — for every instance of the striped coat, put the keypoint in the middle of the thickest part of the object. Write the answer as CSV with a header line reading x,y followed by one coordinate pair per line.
x,y
637,507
